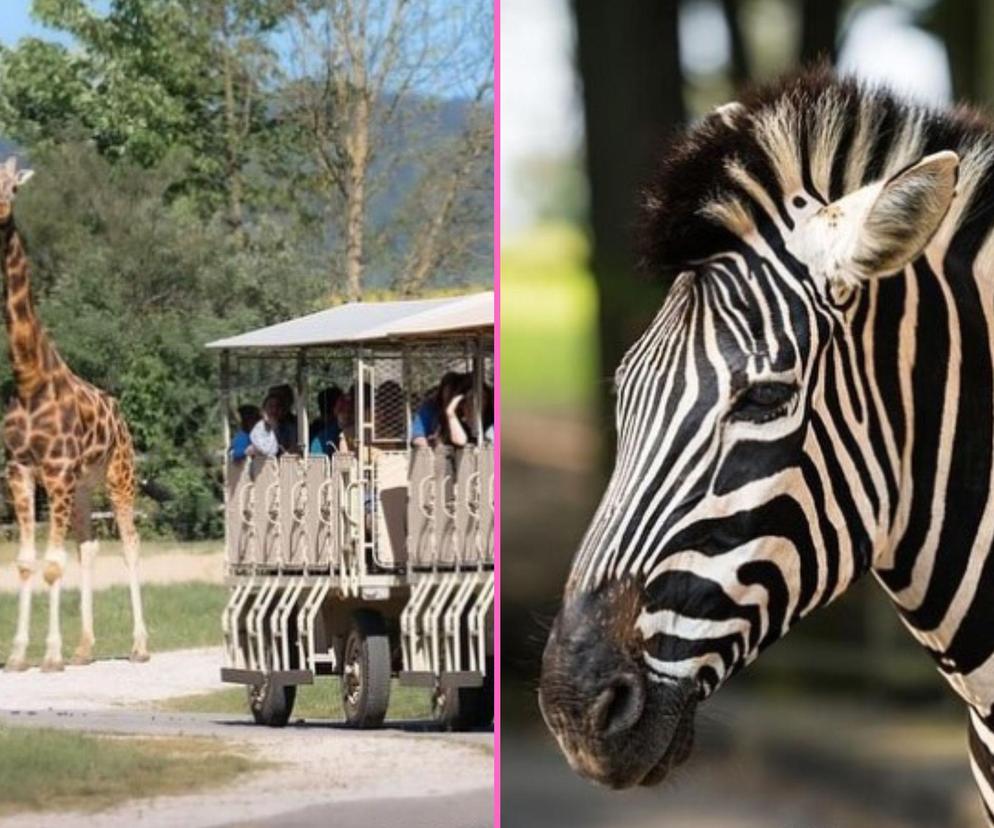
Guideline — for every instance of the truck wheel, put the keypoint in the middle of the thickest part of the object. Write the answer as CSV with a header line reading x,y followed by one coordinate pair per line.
x,y
487,708
458,708
366,671
271,705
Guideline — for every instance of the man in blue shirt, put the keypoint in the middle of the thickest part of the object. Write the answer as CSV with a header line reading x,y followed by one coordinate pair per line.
x,y
424,424
248,416
325,429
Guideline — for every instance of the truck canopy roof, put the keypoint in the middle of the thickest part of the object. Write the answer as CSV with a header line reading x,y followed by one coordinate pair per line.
x,y
369,322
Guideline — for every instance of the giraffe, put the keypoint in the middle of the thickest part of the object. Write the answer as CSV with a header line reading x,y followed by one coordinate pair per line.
x,y
68,435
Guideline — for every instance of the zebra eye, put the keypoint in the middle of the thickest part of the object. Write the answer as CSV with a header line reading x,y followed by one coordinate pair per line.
x,y
763,401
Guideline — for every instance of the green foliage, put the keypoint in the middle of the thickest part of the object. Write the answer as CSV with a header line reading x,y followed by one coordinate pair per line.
x,y
193,510
549,307
147,77
131,285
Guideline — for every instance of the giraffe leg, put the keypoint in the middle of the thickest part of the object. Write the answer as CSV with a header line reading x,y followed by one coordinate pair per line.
x,y
22,489
60,498
87,554
121,487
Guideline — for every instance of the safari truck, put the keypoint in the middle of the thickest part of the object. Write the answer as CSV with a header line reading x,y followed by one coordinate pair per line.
x,y
374,557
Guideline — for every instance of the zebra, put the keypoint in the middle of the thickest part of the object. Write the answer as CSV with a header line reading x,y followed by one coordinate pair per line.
x,y
813,401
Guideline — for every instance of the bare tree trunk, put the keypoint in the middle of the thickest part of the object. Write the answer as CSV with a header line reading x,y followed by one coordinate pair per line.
x,y
353,81
356,200
232,142
819,29
432,243
629,61
960,24
741,72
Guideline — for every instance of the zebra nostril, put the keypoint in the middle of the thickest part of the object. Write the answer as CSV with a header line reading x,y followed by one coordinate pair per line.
x,y
618,707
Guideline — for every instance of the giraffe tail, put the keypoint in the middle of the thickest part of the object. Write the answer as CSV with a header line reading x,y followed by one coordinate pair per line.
x,y
156,491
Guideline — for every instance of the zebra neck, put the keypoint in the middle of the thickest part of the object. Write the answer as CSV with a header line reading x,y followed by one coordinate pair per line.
x,y
936,392
982,757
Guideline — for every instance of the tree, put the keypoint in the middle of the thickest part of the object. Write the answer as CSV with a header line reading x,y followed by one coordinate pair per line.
x,y
363,87
131,285
740,68
819,30
148,77
629,59
961,24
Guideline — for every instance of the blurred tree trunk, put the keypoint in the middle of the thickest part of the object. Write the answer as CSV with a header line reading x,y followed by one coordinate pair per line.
x,y
819,29
740,69
960,23
629,61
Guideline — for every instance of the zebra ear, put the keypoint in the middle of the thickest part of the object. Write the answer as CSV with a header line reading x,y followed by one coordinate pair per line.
x,y
904,216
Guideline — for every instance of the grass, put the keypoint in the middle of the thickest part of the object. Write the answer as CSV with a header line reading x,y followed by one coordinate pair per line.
x,y
321,700
177,616
112,548
548,320
60,770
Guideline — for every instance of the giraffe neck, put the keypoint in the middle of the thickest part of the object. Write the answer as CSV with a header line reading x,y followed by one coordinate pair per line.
x,y
32,356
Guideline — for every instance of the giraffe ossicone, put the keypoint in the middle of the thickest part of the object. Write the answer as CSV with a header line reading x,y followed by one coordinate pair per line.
x,y
69,436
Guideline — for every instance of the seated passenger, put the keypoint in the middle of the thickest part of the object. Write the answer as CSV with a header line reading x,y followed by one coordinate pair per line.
x,y
345,411
286,432
325,430
264,436
426,427
488,414
345,417
248,416
458,426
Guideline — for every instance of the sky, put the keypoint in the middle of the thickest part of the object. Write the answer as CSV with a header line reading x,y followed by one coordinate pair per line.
x,y
16,23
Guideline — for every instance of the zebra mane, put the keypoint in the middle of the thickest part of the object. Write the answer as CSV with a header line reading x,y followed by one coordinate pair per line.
x,y
814,130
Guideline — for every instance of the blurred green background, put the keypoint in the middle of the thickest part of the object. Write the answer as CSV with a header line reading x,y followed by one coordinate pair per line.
x,y
845,722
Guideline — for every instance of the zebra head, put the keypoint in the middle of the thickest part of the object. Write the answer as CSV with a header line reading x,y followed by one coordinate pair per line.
x,y
755,473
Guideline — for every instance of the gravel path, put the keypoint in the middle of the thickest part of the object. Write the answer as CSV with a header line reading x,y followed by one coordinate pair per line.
x,y
318,764
113,683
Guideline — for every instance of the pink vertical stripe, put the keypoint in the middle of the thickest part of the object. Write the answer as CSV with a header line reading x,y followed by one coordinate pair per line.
x,y
497,412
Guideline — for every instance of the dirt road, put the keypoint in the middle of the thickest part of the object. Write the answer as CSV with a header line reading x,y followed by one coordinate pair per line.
x,y
318,765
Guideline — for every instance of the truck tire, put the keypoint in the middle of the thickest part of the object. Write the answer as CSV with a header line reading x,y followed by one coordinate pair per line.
x,y
487,711
458,708
366,671
272,705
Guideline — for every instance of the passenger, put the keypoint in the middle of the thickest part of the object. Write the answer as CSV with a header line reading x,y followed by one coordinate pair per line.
x,y
458,425
264,436
286,431
325,430
426,427
344,411
248,416
488,414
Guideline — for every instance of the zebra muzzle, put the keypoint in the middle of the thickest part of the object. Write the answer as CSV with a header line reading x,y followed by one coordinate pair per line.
x,y
615,726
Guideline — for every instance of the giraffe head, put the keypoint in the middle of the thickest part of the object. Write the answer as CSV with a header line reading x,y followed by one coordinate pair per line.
x,y
11,179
